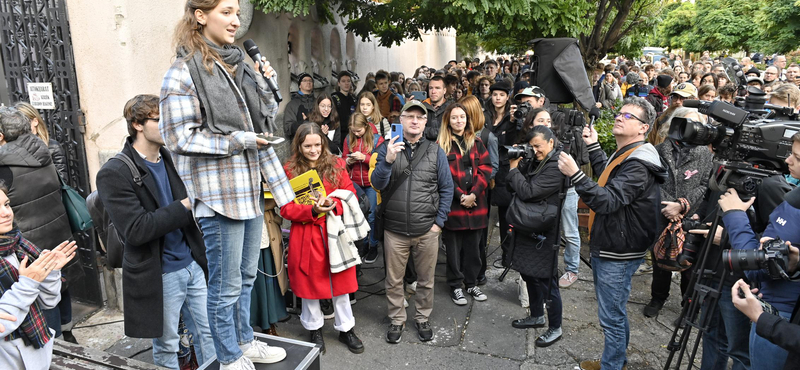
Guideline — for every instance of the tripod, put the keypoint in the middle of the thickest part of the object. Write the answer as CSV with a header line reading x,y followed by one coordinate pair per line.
x,y
700,294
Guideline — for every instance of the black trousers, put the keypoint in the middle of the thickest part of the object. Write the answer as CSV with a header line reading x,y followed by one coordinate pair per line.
x,y
537,292
662,280
463,257
505,242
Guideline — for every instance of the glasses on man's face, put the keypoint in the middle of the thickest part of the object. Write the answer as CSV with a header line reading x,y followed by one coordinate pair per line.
x,y
628,116
770,73
413,117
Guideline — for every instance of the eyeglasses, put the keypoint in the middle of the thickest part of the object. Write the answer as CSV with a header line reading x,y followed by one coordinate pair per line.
x,y
629,116
413,117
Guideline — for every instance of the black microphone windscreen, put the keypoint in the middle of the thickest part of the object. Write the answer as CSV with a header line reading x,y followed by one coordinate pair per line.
x,y
691,103
251,48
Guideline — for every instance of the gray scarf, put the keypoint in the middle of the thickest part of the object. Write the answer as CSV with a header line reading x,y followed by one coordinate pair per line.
x,y
217,91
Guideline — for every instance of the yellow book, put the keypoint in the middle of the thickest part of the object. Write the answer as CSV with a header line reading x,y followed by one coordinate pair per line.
x,y
306,185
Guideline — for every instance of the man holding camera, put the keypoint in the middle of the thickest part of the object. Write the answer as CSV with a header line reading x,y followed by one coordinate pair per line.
x,y
784,223
625,204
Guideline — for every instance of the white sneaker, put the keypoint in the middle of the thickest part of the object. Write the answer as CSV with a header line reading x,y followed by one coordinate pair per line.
x,y
242,363
411,288
262,353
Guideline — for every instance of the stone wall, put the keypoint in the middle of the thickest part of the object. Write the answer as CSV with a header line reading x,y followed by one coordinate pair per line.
x,y
123,47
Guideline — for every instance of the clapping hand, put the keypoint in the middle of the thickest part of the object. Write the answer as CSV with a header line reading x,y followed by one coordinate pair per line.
x,y
7,317
64,253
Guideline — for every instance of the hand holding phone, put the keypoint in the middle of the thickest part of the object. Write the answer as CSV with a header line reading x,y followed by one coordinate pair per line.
x,y
397,131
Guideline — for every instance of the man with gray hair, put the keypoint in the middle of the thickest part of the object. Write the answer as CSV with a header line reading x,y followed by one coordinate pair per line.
x,y
625,203
34,191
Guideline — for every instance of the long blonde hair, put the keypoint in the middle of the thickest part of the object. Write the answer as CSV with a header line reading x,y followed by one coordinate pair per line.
x,y
375,117
31,112
446,137
189,35
474,110
359,121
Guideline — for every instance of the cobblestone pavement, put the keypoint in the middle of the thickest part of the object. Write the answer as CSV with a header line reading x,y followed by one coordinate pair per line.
x,y
476,336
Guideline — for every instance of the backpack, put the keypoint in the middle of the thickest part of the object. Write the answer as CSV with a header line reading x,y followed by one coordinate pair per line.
x,y
109,237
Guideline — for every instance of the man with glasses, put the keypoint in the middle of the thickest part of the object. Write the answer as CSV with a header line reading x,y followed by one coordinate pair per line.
x,y
416,188
625,204
770,76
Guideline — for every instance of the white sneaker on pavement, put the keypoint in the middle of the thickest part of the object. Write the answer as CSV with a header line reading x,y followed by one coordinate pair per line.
x,y
242,363
262,353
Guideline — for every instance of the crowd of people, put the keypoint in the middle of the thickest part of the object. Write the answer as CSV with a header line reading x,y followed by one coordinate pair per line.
x,y
408,166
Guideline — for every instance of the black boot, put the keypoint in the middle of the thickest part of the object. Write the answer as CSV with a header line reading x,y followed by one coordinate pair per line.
x,y
316,338
351,340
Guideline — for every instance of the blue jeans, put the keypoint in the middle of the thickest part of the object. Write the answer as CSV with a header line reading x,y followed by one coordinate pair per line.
x,y
727,336
372,195
184,293
569,223
763,353
612,286
232,250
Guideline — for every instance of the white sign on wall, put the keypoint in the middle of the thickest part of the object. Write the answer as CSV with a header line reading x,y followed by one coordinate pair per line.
x,y
40,95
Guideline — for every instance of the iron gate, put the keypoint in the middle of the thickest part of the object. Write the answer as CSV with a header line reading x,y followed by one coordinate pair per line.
x,y
36,47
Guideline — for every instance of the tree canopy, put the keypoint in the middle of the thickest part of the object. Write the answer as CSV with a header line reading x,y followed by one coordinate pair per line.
x,y
505,26
731,25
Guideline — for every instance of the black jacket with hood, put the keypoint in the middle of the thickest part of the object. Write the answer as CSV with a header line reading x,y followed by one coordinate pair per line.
x,y
628,207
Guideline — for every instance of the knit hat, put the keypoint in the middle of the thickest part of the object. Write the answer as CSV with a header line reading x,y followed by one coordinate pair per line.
x,y
502,86
632,78
303,75
663,81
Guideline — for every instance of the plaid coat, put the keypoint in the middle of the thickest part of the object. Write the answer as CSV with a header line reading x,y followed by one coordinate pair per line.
x,y
223,171
461,218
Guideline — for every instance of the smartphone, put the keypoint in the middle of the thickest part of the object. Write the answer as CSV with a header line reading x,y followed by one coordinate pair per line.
x,y
419,95
397,130
271,139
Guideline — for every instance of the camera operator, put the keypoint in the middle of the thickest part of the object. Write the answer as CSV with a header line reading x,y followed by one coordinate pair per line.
x,y
783,224
625,204
535,256
569,214
785,334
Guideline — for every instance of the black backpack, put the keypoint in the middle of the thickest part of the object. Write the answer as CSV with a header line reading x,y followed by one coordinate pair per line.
x,y
109,237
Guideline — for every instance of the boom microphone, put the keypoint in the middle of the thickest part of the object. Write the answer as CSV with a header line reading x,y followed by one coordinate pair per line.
x,y
252,50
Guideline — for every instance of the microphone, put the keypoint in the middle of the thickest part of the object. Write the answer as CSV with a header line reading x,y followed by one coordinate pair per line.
x,y
252,50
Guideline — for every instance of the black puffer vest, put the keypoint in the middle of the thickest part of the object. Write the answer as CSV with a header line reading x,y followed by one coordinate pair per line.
x,y
412,209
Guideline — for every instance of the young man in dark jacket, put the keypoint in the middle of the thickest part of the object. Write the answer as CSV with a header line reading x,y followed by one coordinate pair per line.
x,y
164,263
625,204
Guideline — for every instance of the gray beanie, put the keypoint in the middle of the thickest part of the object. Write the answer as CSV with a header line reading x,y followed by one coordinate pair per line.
x,y
632,78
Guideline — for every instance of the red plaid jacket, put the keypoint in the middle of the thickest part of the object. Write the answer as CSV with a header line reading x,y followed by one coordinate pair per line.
x,y
475,218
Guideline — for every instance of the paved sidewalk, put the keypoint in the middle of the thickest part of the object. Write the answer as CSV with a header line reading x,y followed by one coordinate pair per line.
x,y
476,336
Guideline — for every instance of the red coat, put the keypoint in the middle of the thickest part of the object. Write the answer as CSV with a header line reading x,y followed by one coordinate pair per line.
x,y
359,171
308,266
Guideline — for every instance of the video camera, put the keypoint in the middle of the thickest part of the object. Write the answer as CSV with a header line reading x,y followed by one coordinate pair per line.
x,y
522,111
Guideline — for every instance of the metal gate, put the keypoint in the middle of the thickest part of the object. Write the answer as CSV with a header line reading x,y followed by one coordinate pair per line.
x,y
36,47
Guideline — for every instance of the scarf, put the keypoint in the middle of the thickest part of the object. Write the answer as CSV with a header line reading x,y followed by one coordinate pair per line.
x,y
33,329
225,99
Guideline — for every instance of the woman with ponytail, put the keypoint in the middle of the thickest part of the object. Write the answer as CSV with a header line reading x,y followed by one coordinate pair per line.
x,y
212,105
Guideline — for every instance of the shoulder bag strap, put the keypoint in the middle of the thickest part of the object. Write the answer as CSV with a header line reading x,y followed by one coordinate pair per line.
x,y
137,178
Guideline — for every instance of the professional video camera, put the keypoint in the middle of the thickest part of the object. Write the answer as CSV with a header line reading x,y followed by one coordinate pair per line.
x,y
774,257
693,242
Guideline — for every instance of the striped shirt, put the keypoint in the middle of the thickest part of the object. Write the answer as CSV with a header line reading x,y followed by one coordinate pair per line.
x,y
223,172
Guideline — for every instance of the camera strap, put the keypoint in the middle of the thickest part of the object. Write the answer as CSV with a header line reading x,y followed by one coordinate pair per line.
x,y
604,178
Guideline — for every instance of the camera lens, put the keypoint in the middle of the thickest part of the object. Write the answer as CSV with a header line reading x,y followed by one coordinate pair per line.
x,y
738,260
693,132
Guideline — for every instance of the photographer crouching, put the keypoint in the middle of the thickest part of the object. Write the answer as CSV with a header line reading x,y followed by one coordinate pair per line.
x,y
777,290
625,204
536,184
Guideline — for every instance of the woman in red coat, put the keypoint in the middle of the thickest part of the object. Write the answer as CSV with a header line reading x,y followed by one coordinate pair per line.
x,y
309,268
